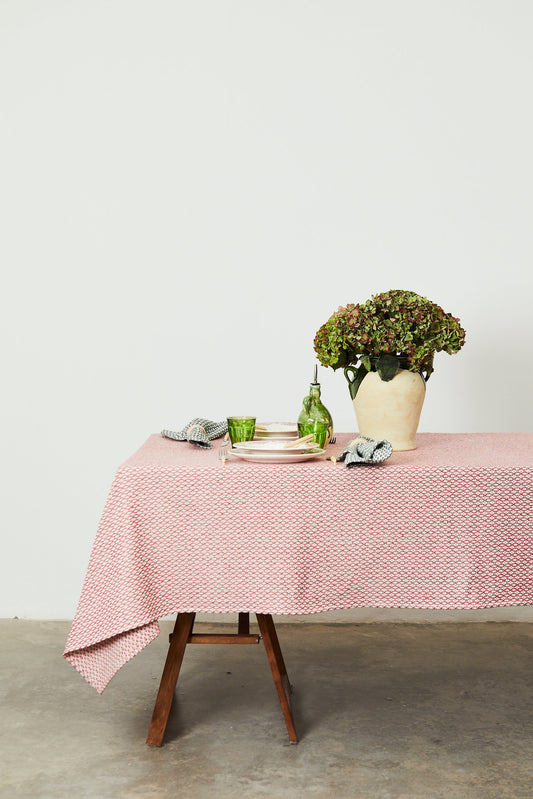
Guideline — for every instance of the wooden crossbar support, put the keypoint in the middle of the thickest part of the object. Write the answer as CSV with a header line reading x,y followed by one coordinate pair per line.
x,y
242,636
183,635
220,638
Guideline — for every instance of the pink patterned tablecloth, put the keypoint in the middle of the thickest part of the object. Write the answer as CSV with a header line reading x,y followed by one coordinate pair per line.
x,y
448,525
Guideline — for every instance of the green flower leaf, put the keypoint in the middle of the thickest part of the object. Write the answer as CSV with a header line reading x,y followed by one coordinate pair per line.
x,y
387,366
367,363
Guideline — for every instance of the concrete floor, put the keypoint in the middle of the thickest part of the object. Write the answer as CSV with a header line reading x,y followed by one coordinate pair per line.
x,y
387,711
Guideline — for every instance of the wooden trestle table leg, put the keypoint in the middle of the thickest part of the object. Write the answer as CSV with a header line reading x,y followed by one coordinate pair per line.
x,y
279,672
165,695
183,635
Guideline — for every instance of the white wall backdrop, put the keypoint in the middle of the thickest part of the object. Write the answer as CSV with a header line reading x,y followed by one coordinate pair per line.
x,y
189,189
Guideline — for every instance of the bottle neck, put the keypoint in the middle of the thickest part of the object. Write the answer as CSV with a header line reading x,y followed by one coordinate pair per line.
x,y
314,390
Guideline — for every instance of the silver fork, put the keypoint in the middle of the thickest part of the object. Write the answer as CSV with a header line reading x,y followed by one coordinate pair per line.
x,y
332,441
223,450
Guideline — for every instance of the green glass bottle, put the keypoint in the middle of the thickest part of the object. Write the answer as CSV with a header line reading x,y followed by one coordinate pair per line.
x,y
315,417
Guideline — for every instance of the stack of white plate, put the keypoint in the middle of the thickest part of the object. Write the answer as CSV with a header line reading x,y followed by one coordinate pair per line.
x,y
276,430
273,449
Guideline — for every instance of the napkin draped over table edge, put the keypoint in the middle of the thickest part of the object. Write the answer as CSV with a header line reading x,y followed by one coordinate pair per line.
x,y
199,431
365,450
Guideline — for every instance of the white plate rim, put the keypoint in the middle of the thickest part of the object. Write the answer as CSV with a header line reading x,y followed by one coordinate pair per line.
x,y
293,430
276,445
276,457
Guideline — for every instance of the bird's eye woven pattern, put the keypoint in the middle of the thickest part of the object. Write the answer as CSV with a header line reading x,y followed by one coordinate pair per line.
x,y
449,525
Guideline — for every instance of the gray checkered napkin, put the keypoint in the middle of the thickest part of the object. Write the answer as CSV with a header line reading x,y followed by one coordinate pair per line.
x,y
365,450
199,431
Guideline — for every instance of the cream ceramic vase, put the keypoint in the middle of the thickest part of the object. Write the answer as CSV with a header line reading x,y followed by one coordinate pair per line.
x,y
390,409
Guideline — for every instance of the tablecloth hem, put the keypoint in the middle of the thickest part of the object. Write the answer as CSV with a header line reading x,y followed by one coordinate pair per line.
x,y
99,661
173,610
279,611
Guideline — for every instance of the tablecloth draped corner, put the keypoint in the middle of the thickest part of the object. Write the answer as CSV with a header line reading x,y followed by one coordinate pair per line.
x,y
98,662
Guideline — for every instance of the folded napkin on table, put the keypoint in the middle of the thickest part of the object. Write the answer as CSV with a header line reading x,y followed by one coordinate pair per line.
x,y
365,450
199,431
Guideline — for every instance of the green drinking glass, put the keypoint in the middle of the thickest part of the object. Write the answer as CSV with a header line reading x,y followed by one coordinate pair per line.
x,y
321,431
241,428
